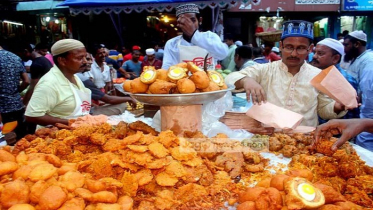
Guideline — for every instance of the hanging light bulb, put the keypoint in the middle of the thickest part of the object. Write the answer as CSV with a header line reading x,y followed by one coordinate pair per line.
x,y
57,21
47,19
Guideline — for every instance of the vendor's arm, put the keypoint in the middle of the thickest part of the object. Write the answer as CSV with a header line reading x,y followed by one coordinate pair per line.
x,y
118,100
25,82
248,79
211,42
327,108
348,128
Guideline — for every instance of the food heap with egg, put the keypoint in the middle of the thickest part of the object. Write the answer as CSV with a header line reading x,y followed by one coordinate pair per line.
x,y
179,79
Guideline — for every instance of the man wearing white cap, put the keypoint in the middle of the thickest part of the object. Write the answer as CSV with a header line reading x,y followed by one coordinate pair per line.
x,y
60,94
329,52
151,60
193,45
361,69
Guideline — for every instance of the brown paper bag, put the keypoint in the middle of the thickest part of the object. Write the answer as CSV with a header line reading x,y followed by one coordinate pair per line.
x,y
332,83
275,116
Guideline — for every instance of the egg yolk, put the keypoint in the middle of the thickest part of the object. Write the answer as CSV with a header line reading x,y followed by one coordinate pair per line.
x,y
308,189
176,71
148,74
216,78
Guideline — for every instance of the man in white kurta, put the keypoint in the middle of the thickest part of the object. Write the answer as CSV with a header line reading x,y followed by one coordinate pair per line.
x,y
286,83
193,39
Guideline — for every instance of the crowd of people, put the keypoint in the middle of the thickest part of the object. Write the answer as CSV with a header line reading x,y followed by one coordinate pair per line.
x,y
71,80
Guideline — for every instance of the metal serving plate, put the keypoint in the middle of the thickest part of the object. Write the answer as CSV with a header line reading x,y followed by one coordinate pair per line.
x,y
179,99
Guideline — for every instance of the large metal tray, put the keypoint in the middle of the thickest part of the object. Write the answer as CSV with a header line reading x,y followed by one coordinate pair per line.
x,y
179,99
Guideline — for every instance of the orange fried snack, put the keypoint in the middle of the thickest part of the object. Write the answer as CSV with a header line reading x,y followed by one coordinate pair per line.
x,y
161,87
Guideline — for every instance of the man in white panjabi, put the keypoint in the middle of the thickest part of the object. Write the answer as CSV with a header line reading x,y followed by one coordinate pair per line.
x,y
286,83
193,45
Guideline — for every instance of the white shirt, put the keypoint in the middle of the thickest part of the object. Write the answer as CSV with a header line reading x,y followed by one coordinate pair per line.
x,y
100,77
294,93
206,40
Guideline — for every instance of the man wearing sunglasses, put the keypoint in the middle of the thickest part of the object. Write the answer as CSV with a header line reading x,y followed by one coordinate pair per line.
x,y
286,83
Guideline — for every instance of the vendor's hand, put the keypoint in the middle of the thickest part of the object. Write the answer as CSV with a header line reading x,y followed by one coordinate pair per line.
x,y
338,107
188,23
255,90
132,102
348,128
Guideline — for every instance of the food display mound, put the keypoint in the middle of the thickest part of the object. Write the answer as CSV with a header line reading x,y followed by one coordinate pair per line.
x,y
132,166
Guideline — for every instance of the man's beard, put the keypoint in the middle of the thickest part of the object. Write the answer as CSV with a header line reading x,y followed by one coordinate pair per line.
x,y
351,55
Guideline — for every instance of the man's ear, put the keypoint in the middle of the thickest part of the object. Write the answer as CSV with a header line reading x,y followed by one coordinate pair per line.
x,y
336,58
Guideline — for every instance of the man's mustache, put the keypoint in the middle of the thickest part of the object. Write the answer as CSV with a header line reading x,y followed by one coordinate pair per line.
x,y
292,58
314,61
83,66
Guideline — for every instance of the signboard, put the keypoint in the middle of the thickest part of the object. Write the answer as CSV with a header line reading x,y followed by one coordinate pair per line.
x,y
357,5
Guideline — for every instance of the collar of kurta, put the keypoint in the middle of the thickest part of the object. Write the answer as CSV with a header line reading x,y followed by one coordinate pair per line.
x,y
284,67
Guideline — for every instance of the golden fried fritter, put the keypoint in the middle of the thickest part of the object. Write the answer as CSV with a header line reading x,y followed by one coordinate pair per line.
x,y
121,130
143,127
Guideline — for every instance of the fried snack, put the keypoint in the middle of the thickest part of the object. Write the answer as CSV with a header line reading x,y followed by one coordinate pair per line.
x,y
165,199
331,195
347,205
212,87
22,207
176,72
232,163
186,85
166,180
193,67
190,192
148,76
330,207
73,204
216,77
105,206
104,197
127,86
247,205
277,181
158,150
42,172
324,147
6,156
121,130
143,127
266,182
15,192
301,194
144,177
251,194
200,79
125,202
270,198
289,150
8,167
162,74
161,87
224,86
52,198
275,144
304,173
138,87
72,180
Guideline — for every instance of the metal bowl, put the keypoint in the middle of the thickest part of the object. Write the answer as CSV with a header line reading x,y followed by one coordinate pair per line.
x,y
179,99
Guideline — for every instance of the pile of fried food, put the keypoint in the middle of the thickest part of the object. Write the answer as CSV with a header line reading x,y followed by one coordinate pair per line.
x,y
178,79
132,166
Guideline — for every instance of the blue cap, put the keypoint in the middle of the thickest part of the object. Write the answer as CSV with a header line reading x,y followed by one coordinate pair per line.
x,y
297,28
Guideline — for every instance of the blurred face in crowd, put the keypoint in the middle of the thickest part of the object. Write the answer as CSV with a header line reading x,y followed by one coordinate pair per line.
x,y
135,55
42,52
324,57
295,50
89,59
100,55
75,60
151,57
351,49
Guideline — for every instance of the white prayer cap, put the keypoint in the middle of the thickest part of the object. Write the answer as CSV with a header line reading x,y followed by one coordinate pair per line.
x,y
341,40
275,49
150,51
360,35
186,8
334,44
238,43
65,45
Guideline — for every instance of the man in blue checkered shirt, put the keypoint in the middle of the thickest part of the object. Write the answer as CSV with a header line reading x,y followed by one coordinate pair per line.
x,y
329,52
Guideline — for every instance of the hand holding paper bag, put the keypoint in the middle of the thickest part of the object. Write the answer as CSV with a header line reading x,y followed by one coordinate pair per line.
x,y
332,83
275,116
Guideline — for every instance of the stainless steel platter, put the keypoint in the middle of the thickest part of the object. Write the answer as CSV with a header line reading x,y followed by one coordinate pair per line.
x,y
179,99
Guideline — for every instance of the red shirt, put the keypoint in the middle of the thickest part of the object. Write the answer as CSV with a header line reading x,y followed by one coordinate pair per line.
x,y
272,57
129,57
157,64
